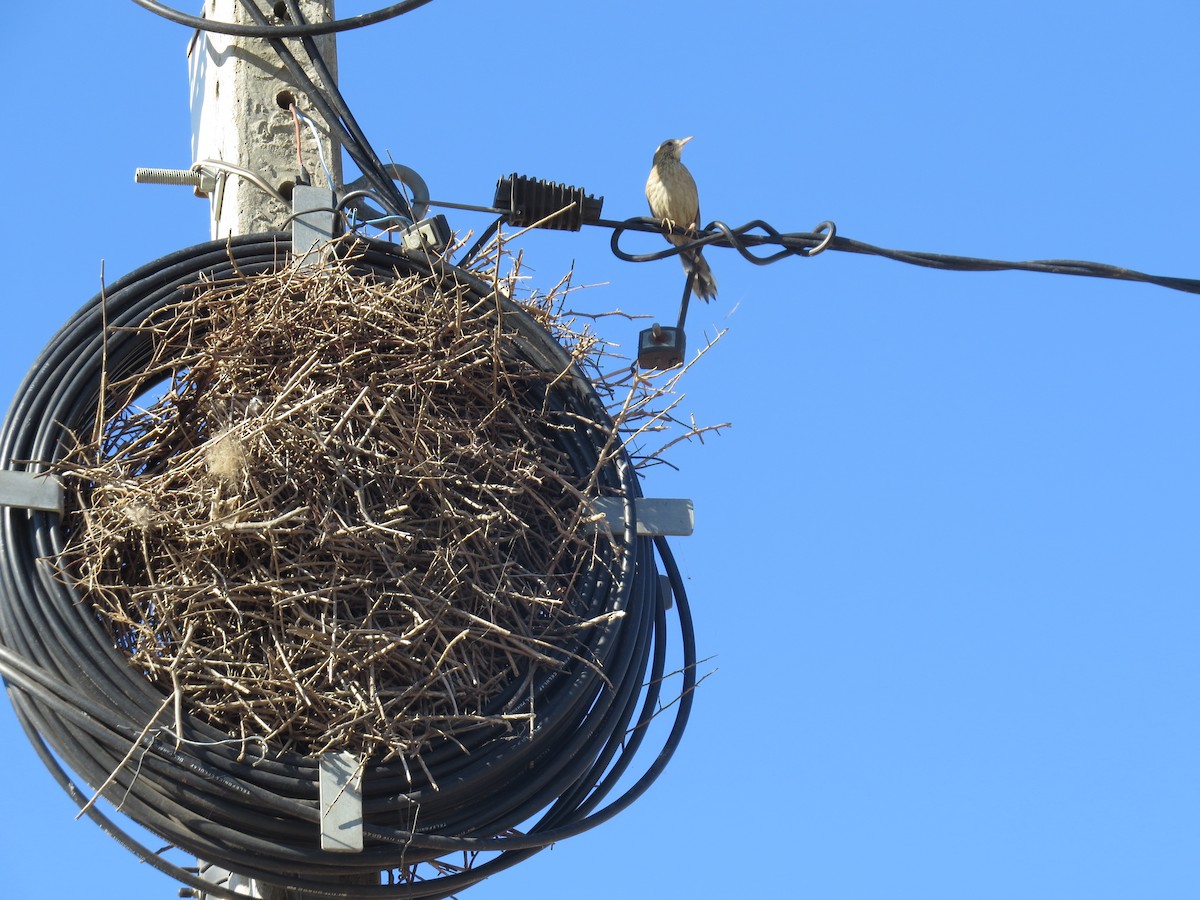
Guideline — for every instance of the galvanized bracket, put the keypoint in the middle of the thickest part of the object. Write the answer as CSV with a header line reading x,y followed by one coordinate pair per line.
x,y
29,490
314,220
341,803
655,517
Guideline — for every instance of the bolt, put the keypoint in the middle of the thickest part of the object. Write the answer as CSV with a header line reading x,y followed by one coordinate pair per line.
x,y
203,182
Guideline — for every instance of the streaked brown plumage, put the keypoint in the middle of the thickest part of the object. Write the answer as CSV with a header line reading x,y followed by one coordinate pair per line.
x,y
674,199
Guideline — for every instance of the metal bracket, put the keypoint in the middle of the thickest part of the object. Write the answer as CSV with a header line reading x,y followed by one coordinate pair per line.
x,y
341,803
30,490
655,518
314,219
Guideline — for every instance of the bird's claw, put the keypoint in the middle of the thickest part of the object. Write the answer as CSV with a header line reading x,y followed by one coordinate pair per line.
x,y
669,225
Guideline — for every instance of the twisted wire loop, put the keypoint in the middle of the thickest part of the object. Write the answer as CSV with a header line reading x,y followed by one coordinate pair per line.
x,y
718,233
758,233
92,716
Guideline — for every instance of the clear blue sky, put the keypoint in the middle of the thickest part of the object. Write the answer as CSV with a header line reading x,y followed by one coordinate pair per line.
x,y
945,558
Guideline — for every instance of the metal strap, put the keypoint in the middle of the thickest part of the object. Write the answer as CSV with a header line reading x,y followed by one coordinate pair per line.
x,y
655,517
29,490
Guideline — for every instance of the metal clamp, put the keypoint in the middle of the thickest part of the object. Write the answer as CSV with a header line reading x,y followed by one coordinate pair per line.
x,y
655,517
340,789
30,490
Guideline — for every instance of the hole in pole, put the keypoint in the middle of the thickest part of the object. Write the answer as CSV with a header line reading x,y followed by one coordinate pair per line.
x,y
285,99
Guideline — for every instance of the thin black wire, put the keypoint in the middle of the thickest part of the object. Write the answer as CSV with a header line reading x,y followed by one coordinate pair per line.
x,y
327,100
334,110
399,202
481,241
303,29
758,233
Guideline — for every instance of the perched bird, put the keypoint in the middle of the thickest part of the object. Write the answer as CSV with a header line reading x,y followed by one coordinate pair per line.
x,y
673,197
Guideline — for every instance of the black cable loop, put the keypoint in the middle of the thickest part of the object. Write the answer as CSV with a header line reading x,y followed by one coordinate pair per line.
x,y
282,30
719,234
347,198
336,210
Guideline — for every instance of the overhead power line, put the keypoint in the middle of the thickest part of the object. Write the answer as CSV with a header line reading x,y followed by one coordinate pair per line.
x,y
758,233
513,207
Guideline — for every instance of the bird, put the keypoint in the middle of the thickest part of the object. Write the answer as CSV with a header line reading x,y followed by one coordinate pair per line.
x,y
674,200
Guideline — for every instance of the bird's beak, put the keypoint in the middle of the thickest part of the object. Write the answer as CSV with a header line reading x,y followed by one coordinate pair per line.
x,y
683,141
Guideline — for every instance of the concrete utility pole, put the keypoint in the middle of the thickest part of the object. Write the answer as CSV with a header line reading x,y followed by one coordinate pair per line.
x,y
244,135
241,97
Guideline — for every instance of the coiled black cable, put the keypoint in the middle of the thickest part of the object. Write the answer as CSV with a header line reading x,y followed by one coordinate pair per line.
x,y
76,696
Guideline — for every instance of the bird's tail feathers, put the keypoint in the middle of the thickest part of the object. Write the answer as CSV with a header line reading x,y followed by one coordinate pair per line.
x,y
705,284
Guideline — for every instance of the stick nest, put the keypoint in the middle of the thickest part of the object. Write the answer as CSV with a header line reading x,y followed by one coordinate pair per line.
x,y
332,513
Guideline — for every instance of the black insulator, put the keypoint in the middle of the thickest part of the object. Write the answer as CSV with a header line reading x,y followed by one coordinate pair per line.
x,y
546,204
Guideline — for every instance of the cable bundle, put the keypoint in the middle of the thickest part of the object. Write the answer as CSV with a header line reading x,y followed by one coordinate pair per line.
x,y
77,696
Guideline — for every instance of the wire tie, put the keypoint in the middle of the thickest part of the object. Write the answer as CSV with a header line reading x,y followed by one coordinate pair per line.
x,y
830,233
